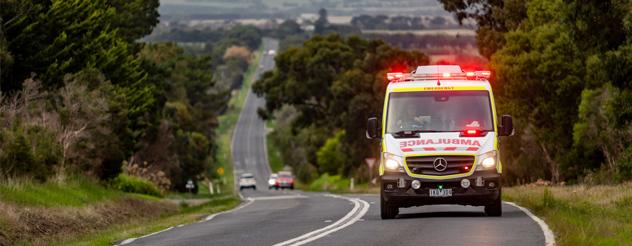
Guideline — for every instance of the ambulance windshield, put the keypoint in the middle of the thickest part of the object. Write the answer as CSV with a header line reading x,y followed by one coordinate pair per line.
x,y
439,111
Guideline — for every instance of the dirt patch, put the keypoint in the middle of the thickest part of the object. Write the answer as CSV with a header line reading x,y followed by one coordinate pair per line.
x,y
37,225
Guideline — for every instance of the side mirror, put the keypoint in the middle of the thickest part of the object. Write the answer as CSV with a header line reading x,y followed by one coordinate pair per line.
x,y
506,129
372,129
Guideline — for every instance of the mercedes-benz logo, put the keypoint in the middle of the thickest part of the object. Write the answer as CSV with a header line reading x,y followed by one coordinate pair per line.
x,y
440,164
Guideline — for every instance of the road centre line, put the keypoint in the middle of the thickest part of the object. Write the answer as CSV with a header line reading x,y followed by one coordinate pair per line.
x,y
360,208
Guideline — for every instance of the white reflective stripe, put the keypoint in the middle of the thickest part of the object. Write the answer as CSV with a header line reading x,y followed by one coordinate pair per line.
x,y
549,237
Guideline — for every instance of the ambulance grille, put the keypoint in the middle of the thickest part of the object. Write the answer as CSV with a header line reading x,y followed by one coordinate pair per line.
x,y
425,165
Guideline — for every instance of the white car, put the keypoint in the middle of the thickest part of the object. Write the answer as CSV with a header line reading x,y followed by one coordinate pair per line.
x,y
246,181
271,52
272,181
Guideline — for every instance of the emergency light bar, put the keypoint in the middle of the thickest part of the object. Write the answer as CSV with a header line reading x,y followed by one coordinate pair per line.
x,y
476,75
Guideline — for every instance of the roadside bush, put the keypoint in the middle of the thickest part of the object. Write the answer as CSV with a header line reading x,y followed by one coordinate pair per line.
x,y
330,183
133,184
31,152
330,156
624,167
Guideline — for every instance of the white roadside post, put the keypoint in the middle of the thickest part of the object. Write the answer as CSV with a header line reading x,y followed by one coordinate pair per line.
x,y
351,185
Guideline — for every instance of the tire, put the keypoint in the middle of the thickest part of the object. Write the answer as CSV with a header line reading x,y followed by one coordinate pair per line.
x,y
254,188
387,211
241,188
494,209
292,187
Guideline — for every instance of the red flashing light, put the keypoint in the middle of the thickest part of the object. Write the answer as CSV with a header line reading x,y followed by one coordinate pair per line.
x,y
473,133
466,168
471,75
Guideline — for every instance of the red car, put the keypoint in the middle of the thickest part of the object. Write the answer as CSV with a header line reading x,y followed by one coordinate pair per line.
x,y
285,180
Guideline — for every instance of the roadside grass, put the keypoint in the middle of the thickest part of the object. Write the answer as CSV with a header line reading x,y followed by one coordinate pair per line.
x,y
75,192
227,123
580,215
144,226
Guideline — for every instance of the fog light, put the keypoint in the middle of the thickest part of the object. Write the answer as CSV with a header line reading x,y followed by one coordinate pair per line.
x,y
465,183
401,183
416,184
492,185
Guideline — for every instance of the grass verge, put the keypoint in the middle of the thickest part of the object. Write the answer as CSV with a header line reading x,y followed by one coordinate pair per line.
x,y
337,184
580,215
75,192
35,213
227,123
142,226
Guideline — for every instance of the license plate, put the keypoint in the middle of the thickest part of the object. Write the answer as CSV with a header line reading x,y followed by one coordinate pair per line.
x,y
440,192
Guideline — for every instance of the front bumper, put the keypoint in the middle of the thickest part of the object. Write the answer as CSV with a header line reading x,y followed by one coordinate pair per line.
x,y
401,194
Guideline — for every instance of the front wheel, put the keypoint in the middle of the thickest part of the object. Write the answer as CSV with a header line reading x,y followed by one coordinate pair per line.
x,y
495,208
387,211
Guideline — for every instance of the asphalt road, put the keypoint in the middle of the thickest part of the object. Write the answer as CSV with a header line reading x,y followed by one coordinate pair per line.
x,y
296,218
248,144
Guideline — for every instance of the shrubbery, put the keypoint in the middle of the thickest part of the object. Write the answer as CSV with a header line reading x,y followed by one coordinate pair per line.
x,y
328,182
137,185
78,94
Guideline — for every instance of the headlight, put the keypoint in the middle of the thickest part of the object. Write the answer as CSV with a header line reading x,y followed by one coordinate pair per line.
x,y
393,162
271,182
487,161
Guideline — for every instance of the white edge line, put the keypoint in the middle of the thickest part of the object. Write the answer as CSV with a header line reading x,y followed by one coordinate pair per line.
x,y
265,198
549,237
311,236
210,217
130,240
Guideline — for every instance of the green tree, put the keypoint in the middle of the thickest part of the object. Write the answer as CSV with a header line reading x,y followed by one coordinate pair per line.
x,y
333,83
135,18
321,24
494,19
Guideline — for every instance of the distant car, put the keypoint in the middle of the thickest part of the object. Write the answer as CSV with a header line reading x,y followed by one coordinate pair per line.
x,y
272,181
271,52
246,181
285,180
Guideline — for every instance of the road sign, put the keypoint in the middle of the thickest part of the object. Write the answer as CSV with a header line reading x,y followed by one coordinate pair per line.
x,y
190,185
370,162
220,171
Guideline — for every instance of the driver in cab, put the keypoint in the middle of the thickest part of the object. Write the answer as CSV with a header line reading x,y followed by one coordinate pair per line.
x,y
412,120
